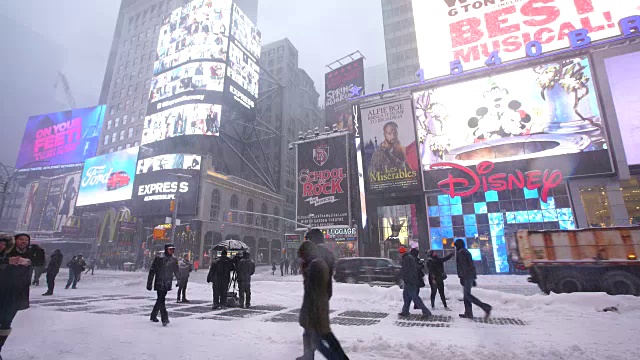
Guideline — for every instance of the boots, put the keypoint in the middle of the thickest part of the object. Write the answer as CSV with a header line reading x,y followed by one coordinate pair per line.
x,y
4,334
309,351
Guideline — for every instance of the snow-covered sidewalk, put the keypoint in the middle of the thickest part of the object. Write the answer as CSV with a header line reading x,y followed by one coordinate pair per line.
x,y
108,318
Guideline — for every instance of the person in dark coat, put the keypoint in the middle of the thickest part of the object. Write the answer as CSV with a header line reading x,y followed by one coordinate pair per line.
x,y
409,274
467,274
245,269
15,278
435,265
286,265
314,313
211,278
420,267
37,273
273,268
282,267
185,269
76,267
52,271
222,268
92,266
317,237
161,273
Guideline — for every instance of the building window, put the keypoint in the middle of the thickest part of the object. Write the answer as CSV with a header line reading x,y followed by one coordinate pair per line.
x,y
121,134
119,147
130,134
249,209
276,221
263,219
106,140
111,150
122,93
125,119
137,143
117,122
112,110
215,205
128,146
114,137
141,113
233,204
596,206
130,90
109,123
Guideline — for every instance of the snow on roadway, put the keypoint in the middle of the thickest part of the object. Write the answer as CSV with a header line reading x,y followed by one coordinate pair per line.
x,y
557,326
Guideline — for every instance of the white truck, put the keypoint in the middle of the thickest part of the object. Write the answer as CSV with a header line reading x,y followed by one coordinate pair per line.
x,y
598,259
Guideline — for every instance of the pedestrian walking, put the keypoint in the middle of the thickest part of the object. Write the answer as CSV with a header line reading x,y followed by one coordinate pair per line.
x,y
273,268
435,266
314,313
467,274
317,237
411,289
17,256
220,272
161,273
92,266
246,268
282,267
73,272
420,271
52,271
286,265
81,267
196,265
37,273
184,270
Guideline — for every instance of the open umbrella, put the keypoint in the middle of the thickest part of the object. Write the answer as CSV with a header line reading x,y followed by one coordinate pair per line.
x,y
231,245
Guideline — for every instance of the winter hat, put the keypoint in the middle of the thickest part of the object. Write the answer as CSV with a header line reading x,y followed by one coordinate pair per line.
x,y
246,255
315,235
414,252
169,246
402,250
22,234
459,244
224,252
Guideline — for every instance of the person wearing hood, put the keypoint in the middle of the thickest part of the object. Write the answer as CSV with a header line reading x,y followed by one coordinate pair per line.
x,y
317,237
161,274
52,271
245,269
15,278
467,274
314,313
435,265
411,287
220,273
184,269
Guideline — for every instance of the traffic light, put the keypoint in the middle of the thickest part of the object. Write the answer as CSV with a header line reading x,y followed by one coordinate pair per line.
x,y
172,207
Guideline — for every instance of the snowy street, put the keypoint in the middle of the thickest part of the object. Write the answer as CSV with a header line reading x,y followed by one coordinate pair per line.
x,y
107,317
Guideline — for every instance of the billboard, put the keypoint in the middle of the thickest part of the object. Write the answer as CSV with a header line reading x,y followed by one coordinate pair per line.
x,y
390,151
108,178
469,31
156,186
623,74
323,190
339,85
62,138
191,119
245,32
243,70
542,118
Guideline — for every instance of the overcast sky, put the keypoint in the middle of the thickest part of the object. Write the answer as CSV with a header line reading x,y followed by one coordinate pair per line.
x,y
74,36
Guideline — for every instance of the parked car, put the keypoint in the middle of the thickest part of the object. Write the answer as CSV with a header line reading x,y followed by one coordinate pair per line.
x,y
117,180
367,270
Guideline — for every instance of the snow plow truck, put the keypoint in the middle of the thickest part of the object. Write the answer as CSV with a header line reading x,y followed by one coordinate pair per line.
x,y
598,259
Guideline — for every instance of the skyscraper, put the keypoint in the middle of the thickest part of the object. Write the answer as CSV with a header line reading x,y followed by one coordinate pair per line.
x,y
400,42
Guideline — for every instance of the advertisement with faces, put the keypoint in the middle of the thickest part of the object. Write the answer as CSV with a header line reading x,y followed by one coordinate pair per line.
x,y
169,162
208,76
243,70
191,119
204,46
246,32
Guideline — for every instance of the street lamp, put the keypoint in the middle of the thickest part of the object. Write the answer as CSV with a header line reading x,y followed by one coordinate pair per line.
x,y
174,214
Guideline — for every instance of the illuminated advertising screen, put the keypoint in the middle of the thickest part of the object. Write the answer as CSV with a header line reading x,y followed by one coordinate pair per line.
x,y
469,31
341,84
390,151
526,128
198,76
62,138
108,178
323,183
157,185
245,32
192,119
243,70
623,73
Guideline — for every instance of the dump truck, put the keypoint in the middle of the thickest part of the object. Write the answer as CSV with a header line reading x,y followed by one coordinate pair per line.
x,y
584,260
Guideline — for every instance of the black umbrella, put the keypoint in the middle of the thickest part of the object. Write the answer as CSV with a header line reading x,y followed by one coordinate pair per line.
x,y
231,245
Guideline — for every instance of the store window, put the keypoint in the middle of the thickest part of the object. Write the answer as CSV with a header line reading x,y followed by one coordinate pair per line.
x,y
249,209
215,205
596,206
398,226
631,195
488,221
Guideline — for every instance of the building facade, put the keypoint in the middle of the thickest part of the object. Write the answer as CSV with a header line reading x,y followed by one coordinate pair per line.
x,y
400,42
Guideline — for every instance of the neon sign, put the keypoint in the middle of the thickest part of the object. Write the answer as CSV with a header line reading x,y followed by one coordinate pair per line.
x,y
481,179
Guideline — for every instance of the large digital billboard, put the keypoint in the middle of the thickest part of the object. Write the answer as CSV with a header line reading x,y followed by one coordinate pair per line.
x,y
468,31
390,151
245,32
623,73
156,184
541,119
108,178
62,138
324,183
191,119
341,84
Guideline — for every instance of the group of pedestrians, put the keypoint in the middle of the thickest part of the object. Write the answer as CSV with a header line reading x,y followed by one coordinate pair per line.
x,y
412,274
